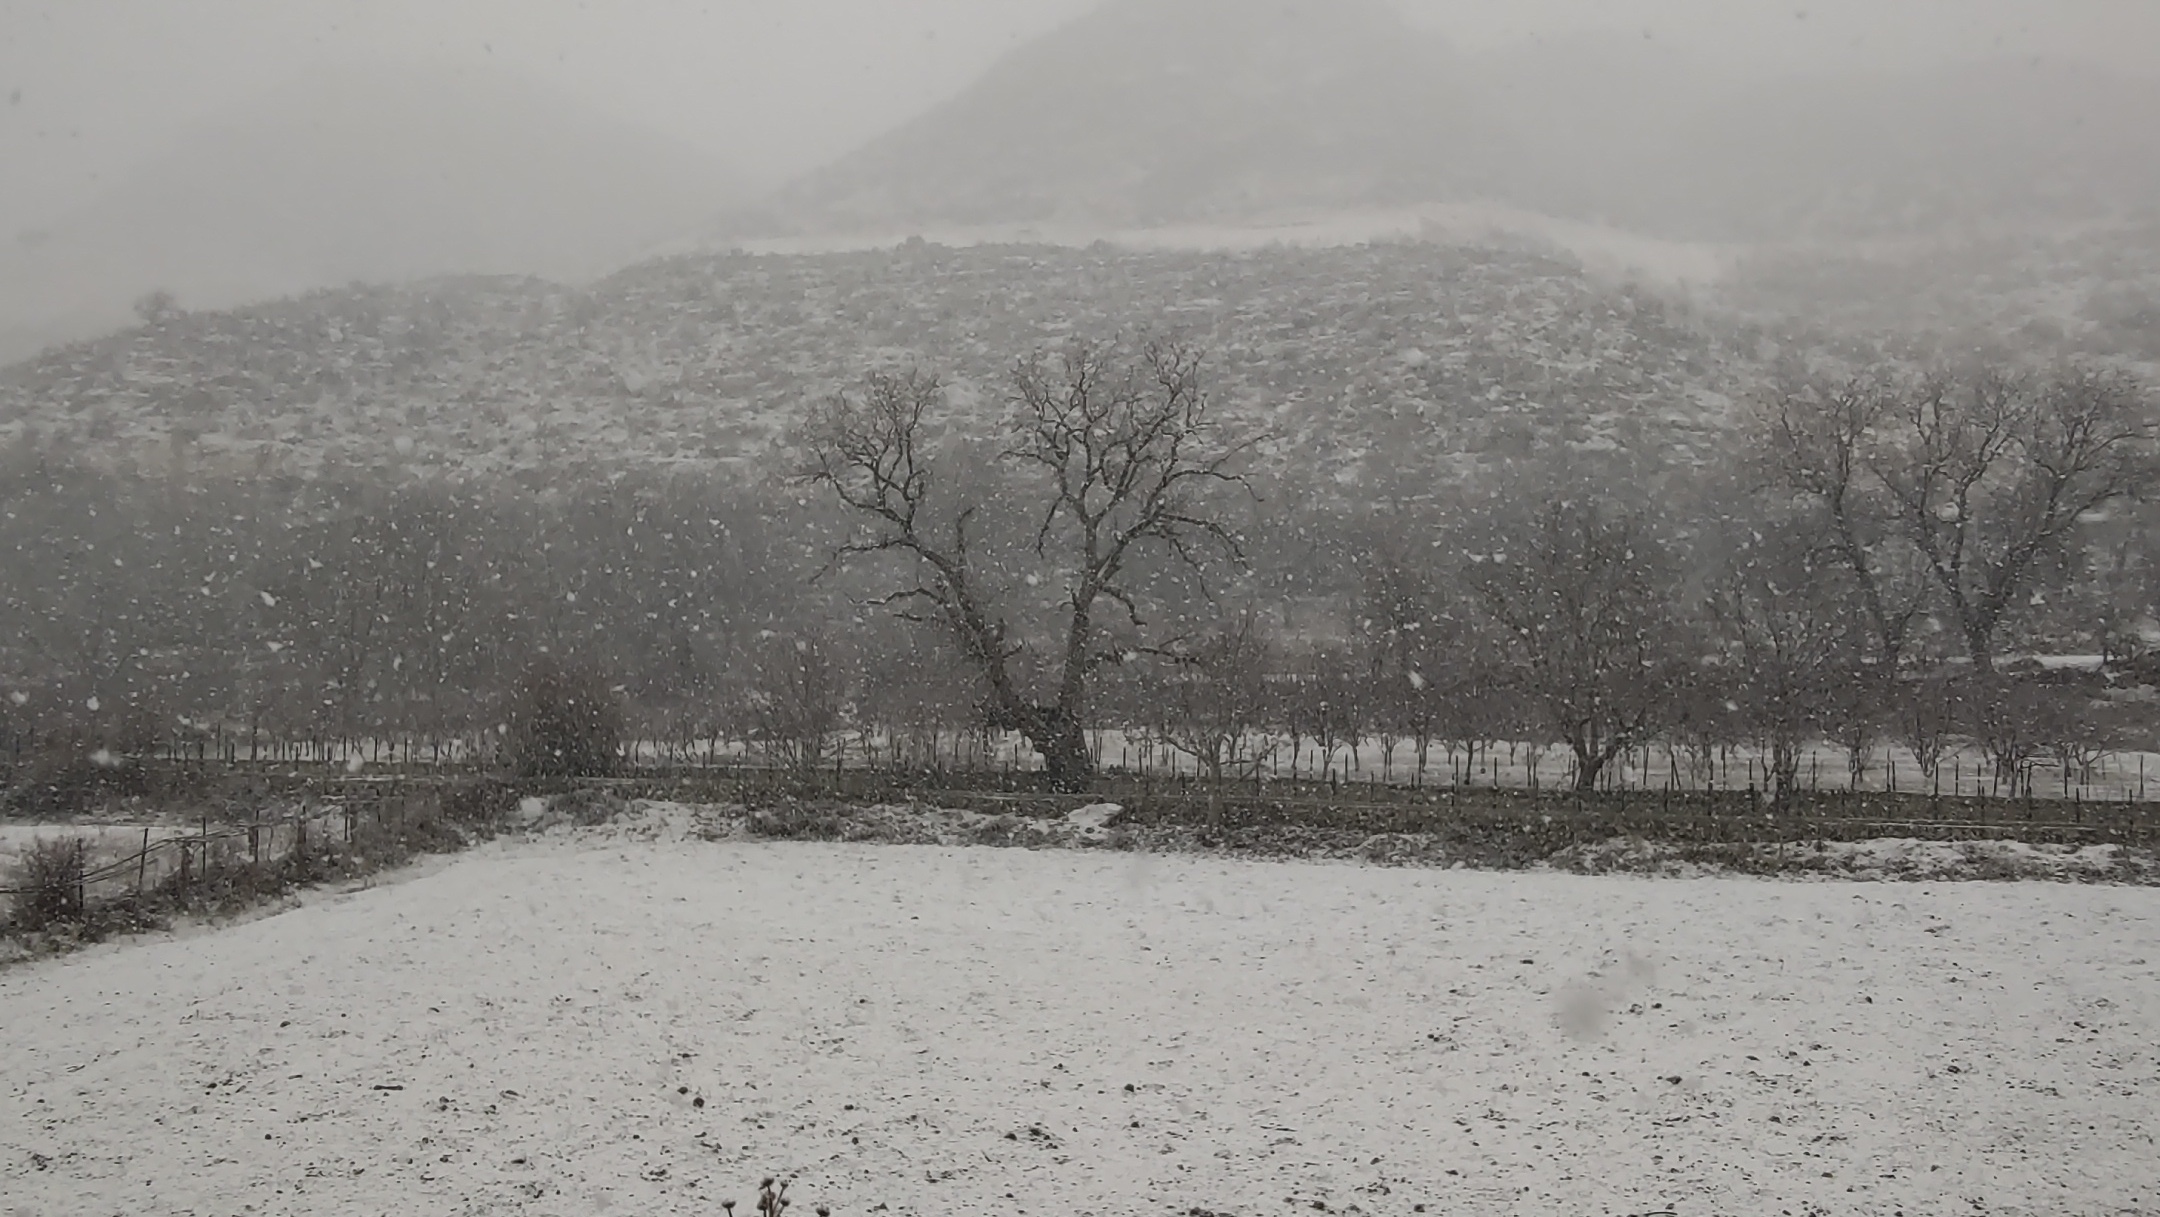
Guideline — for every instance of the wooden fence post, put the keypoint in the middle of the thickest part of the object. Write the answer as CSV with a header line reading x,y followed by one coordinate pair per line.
x,y
142,862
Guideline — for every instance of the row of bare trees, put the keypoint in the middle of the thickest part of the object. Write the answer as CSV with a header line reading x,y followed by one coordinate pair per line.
x,y
1102,548
1891,501
1941,491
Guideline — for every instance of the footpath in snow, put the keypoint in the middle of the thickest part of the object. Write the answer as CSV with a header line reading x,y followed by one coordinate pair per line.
x,y
585,1024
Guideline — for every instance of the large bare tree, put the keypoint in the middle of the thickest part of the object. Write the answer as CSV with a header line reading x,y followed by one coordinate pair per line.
x,y
1111,453
1576,591
1994,471
1789,641
1818,439
1953,489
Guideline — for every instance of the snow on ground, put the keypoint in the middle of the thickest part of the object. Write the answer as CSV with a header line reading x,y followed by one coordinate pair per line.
x,y
530,1029
1893,859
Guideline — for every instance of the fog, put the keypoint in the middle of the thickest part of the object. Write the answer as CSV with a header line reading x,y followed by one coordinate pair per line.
x,y
230,150
776,87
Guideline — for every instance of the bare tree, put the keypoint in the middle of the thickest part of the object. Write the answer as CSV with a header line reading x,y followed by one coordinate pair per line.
x,y
1214,707
1818,437
1858,710
1330,708
1118,456
1577,597
1928,710
1994,471
798,695
1788,640
2070,728
1403,631
2007,716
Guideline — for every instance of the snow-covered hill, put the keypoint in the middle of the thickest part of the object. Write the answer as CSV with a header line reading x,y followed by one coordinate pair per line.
x,y
1398,360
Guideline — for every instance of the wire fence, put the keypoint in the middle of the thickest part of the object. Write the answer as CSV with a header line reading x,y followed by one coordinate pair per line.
x,y
120,862
287,810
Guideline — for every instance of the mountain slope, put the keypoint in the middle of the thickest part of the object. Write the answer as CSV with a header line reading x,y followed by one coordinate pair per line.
x,y
376,172
1222,111
1411,361
1148,111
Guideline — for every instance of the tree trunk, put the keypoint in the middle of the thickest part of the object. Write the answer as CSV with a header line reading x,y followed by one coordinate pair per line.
x,y
1980,644
1057,735
1215,766
1588,766
1784,772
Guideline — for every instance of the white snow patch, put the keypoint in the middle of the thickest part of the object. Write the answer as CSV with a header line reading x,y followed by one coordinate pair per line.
x,y
1093,820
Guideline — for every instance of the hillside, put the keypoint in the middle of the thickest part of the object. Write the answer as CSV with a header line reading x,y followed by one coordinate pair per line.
x,y
375,172
1213,111
2094,289
1151,111
1368,364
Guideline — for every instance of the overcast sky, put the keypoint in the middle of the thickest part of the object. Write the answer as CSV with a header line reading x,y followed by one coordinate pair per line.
x,y
89,87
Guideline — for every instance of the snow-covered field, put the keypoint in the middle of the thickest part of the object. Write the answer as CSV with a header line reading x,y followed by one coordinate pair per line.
x,y
587,1023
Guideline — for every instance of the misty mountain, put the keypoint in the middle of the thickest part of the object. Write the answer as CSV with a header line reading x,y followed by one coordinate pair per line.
x,y
1619,130
1214,111
1151,111
377,172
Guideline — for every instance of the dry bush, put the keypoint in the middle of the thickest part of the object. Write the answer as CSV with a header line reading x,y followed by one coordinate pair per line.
x,y
479,804
793,821
587,808
1015,832
48,883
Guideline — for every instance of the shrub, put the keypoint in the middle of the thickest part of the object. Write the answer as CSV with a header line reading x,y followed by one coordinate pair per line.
x,y
48,883
484,804
590,808
566,723
792,821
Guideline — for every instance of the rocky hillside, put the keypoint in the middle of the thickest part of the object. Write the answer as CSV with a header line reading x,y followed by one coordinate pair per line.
x,y
1382,366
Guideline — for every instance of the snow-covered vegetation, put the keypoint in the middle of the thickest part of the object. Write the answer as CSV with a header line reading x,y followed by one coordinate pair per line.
x,y
1343,354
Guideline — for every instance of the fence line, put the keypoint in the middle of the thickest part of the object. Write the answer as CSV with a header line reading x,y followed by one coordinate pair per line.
x,y
213,847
